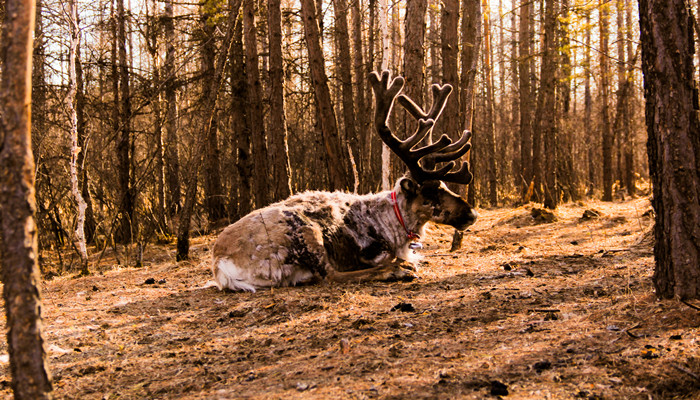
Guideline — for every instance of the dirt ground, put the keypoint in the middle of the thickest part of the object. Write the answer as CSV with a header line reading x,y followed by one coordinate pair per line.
x,y
528,309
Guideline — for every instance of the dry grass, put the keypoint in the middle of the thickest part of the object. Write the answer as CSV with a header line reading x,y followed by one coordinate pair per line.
x,y
550,310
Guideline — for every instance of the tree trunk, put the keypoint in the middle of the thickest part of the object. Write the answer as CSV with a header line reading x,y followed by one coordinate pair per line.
x,y
490,111
673,145
620,95
588,110
471,44
261,180
241,187
213,189
183,230
606,129
278,124
126,229
364,130
524,38
81,244
172,156
414,60
18,233
338,162
384,33
83,177
629,144
344,68
449,121
515,101
548,113
151,38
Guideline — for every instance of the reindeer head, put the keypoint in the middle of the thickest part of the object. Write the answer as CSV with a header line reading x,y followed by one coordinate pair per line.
x,y
429,166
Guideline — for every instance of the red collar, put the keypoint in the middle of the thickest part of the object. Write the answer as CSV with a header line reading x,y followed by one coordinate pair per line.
x,y
409,234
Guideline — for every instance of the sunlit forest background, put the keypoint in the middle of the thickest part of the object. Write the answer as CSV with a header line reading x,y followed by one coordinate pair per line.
x,y
204,111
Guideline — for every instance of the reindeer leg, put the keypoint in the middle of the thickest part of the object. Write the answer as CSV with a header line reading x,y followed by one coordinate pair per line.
x,y
387,273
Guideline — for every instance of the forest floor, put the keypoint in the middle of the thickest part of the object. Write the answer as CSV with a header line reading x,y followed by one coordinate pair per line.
x,y
527,309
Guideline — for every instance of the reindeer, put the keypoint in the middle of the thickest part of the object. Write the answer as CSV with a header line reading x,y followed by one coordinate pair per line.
x,y
342,237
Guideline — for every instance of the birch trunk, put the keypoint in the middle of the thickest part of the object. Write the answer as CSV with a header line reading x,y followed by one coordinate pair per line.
x,y
80,241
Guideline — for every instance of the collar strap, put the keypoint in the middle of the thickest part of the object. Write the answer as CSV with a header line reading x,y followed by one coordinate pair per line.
x,y
409,234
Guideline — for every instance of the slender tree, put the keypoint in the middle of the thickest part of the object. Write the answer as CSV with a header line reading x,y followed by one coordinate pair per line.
x,y
606,128
525,98
629,147
338,162
673,145
414,58
471,45
490,131
364,131
588,107
548,112
183,229
278,124
344,61
213,188
125,140
80,241
172,155
18,234
261,181
241,185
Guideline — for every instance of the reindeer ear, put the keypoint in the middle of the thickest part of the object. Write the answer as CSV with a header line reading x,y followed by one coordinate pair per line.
x,y
408,186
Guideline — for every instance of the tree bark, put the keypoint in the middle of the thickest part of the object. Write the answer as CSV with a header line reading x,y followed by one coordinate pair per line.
x,y
278,124
241,186
213,189
606,128
414,60
588,110
384,34
151,39
338,163
490,111
449,120
549,112
344,68
363,113
18,233
172,155
673,145
183,230
524,38
81,244
83,176
126,229
630,178
261,181
471,45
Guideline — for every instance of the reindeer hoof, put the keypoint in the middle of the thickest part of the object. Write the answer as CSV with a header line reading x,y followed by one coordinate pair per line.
x,y
399,275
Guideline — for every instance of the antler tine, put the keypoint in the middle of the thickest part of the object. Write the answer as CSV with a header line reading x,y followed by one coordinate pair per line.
x,y
384,94
462,176
454,150
440,96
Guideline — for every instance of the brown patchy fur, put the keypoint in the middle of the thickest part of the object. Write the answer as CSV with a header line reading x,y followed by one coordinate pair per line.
x,y
332,235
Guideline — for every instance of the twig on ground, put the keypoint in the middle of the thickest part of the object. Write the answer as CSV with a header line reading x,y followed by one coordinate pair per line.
x,y
694,307
687,371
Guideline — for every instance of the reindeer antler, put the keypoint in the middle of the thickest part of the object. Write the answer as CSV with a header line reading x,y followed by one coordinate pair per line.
x,y
444,150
